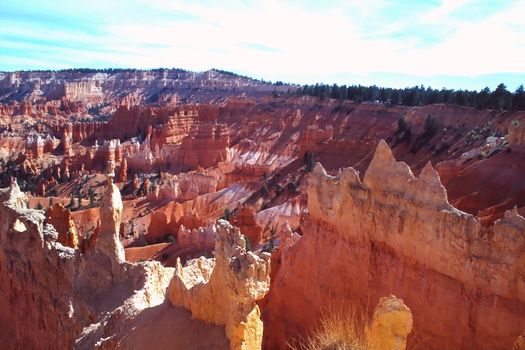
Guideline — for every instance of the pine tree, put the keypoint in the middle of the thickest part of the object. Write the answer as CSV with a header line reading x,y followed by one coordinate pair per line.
x,y
91,197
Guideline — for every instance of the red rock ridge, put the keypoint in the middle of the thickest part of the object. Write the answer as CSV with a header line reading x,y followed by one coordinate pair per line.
x,y
393,233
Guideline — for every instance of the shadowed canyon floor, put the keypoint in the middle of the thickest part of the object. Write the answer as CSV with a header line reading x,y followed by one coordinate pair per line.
x,y
199,216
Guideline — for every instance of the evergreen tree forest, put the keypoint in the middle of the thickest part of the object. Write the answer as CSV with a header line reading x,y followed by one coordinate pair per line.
x,y
499,99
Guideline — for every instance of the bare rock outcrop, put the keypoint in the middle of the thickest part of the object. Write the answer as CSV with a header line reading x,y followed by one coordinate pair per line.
x,y
312,137
395,233
36,273
56,297
391,324
224,290
110,216
201,238
60,218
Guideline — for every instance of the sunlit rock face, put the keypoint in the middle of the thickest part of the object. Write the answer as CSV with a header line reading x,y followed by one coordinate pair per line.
x,y
190,148
224,290
395,233
390,326
70,299
108,242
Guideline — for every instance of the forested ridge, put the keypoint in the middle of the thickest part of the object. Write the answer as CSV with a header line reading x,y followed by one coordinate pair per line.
x,y
501,98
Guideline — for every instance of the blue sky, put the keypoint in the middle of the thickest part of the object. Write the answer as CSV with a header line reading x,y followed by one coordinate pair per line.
x,y
441,43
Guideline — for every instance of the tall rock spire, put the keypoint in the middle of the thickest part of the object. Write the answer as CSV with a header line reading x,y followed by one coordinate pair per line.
x,y
110,216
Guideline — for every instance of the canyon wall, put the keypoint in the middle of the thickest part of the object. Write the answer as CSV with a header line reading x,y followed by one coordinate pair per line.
x,y
394,233
140,86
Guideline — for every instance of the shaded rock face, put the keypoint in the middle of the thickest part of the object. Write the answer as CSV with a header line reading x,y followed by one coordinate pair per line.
x,y
36,273
245,221
394,233
517,130
224,290
60,218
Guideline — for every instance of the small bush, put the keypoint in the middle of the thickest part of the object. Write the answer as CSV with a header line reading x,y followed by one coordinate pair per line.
x,y
226,215
339,330
431,126
309,160
168,238
402,124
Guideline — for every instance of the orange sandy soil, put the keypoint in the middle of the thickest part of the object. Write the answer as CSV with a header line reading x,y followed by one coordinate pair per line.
x,y
136,254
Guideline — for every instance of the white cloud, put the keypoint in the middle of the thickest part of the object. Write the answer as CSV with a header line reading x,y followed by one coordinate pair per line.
x,y
441,12
305,41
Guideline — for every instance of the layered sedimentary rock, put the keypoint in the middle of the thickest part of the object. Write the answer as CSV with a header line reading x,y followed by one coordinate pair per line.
x,y
36,272
174,139
194,213
186,186
177,127
394,233
66,139
82,131
47,289
89,90
162,85
312,137
34,146
206,147
224,290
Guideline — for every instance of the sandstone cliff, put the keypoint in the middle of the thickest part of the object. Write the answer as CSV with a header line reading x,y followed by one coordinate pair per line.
x,y
396,233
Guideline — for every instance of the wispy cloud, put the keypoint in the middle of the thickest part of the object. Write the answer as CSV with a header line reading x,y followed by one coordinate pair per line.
x,y
295,40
